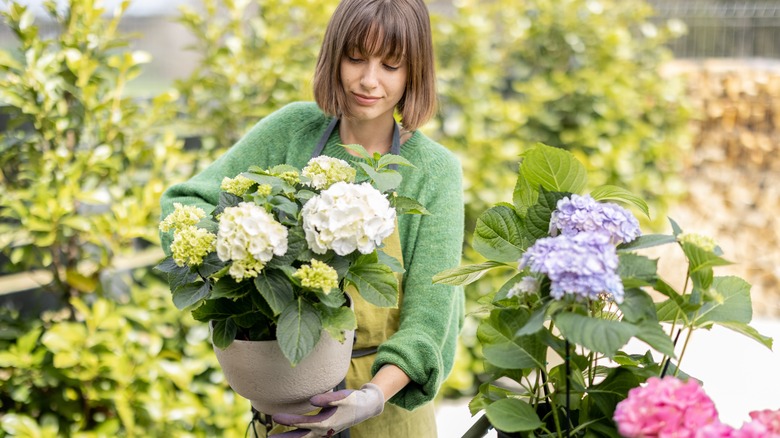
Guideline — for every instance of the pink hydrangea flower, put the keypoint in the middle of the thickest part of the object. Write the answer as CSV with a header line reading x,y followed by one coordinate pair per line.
x,y
716,430
769,418
763,424
665,408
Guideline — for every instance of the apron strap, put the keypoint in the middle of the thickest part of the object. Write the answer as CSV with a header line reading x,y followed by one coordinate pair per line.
x,y
395,147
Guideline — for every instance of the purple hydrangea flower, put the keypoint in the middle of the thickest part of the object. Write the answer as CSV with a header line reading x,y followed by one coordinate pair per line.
x,y
583,213
583,264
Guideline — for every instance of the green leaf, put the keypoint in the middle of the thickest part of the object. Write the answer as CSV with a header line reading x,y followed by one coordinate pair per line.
x,y
699,258
218,309
670,311
251,317
298,330
503,291
337,320
209,225
167,266
500,235
524,196
732,306
654,335
600,335
227,287
181,276
502,348
613,389
534,323
277,184
636,270
749,332
375,282
283,204
393,263
513,415
676,230
389,159
464,275
334,299
385,180
275,289
224,332
647,241
637,306
702,279
404,205
211,265
615,193
539,215
228,200
667,290
553,169
359,150
190,294
296,245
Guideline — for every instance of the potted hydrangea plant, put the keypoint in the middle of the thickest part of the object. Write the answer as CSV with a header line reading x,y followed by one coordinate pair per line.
x,y
269,269
578,290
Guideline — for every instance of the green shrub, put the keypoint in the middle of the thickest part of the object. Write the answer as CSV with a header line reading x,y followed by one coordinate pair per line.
x,y
255,57
579,74
82,165
132,367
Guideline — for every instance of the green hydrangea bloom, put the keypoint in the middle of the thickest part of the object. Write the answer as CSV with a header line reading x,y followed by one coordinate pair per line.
x,y
245,268
290,177
236,186
264,190
183,216
318,275
191,244
703,242
324,171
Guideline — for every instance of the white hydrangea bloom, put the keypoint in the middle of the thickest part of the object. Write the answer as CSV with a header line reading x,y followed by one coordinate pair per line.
x,y
346,217
324,171
249,236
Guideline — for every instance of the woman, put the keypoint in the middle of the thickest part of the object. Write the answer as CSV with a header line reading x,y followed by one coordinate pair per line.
x,y
376,59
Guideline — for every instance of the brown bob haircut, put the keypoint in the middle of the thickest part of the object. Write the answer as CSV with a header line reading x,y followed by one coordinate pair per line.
x,y
398,30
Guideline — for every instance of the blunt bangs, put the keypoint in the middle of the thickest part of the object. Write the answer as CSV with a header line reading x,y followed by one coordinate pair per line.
x,y
378,36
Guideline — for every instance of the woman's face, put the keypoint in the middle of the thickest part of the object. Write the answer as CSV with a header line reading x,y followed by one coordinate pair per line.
x,y
373,85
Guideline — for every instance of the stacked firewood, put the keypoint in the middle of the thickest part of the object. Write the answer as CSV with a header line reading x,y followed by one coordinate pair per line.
x,y
733,171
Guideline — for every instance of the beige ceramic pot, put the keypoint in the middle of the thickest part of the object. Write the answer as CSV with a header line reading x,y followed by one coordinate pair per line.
x,y
258,371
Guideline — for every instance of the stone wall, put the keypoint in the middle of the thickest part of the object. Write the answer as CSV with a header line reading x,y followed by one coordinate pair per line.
x,y
732,175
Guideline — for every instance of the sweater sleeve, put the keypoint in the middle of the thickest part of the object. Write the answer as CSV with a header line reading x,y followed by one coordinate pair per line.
x,y
431,314
264,145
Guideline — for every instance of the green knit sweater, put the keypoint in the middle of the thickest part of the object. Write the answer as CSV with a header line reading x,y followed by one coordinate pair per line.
x,y
431,314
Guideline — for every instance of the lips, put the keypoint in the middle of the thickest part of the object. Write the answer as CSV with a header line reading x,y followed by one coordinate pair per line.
x,y
362,99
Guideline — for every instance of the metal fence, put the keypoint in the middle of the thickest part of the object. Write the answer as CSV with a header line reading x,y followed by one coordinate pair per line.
x,y
724,28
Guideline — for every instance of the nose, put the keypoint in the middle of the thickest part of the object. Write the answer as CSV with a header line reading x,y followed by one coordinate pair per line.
x,y
368,77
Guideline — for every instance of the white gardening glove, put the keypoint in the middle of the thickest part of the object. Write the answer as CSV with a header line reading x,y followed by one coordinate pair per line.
x,y
340,410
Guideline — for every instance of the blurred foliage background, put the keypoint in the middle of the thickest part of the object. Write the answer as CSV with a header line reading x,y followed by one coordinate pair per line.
x,y
83,163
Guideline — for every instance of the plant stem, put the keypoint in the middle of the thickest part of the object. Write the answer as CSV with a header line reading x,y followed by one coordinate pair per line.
x,y
682,353
567,361
666,359
669,359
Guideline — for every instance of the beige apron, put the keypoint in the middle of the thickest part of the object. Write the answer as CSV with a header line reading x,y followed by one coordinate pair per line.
x,y
376,325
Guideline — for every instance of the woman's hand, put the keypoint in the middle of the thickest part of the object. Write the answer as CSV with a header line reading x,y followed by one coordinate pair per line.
x,y
340,410
346,408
